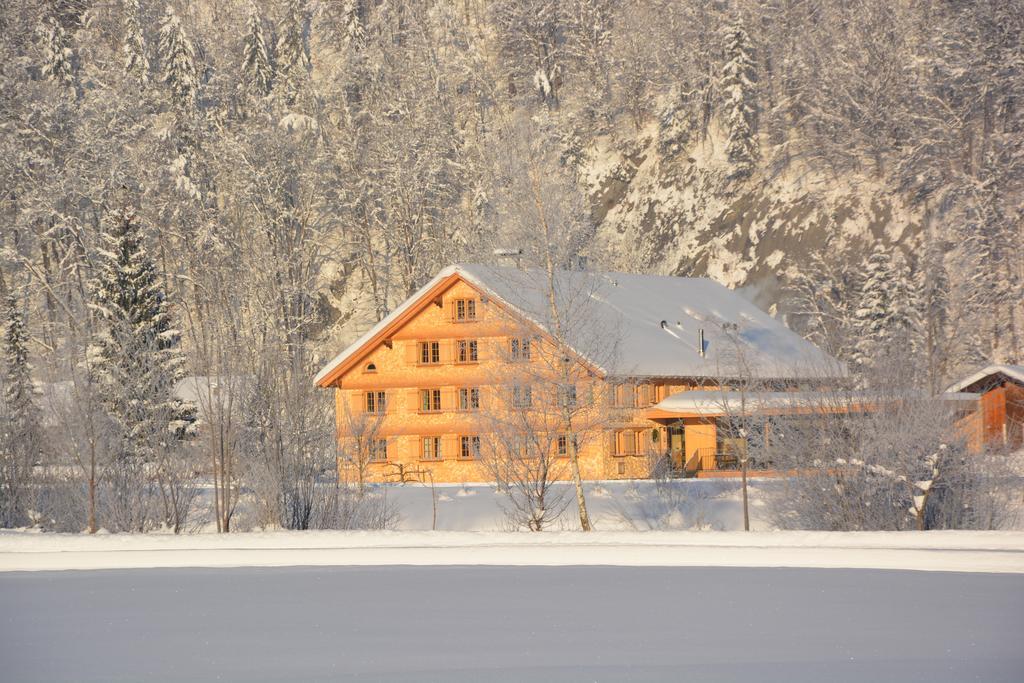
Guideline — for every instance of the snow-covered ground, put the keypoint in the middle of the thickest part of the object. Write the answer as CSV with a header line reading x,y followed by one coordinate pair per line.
x,y
694,504
963,551
501,624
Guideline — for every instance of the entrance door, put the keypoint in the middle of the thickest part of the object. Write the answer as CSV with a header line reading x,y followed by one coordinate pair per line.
x,y
677,446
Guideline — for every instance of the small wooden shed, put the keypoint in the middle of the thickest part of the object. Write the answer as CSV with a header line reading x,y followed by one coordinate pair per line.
x,y
998,419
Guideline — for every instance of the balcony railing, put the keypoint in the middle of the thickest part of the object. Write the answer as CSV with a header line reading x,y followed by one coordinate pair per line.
x,y
711,458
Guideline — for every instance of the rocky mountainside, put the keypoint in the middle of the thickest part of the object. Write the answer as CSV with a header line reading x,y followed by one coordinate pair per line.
x,y
679,213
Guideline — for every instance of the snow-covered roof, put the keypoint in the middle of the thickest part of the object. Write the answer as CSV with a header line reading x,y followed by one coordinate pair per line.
x,y
716,402
1015,372
209,391
641,325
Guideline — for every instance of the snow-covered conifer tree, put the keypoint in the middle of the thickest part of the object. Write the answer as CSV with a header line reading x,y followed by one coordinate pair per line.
x,y
873,317
136,352
178,57
738,85
255,56
990,258
19,418
355,32
58,58
136,360
933,310
904,317
136,63
293,49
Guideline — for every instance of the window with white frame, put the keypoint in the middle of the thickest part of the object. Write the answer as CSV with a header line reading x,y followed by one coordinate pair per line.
x,y
430,400
469,447
522,396
430,448
519,348
376,402
429,353
378,450
466,351
469,398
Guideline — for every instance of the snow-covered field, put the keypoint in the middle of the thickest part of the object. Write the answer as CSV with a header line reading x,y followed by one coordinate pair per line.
x,y
641,523
666,590
696,504
930,551
511,624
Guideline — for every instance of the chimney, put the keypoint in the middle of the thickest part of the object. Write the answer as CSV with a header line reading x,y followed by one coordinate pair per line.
x,y
700,342
513,254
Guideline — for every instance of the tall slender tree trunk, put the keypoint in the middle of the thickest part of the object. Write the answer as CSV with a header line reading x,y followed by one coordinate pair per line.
x,y
92,495
556,320
746,506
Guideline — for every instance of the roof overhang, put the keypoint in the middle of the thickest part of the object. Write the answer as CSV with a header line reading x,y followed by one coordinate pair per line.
x,y
380,332
1014,372
442,282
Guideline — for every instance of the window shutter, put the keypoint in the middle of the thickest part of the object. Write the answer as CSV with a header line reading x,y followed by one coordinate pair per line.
x,y
411,350
450,447
358,404
414,400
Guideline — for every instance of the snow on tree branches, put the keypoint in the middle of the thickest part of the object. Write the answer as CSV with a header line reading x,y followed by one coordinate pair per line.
x,y
136,63
135,355
293,48
178,57
738,85
886,315
255,56
19,418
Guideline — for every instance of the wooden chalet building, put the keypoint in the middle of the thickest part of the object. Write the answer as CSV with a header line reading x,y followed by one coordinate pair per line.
x,y
422,393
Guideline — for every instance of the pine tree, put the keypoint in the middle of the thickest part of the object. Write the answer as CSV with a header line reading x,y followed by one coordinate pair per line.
x,y
19,418
58,58
874,316
136,63
990,255
255,56
904,317
738,85
135,355
355,33
292,49
179,68
933,310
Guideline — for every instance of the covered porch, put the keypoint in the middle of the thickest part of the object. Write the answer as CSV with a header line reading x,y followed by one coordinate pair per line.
x,y
702,437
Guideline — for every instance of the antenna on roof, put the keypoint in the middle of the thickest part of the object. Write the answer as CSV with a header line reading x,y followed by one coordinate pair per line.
x,y
515,254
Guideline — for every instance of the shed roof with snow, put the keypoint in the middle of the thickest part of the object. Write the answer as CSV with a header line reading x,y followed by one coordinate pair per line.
x,y
989,376
630,325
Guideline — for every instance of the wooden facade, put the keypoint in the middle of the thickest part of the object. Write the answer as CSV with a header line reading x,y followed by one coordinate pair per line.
x,y
997,418
414,396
